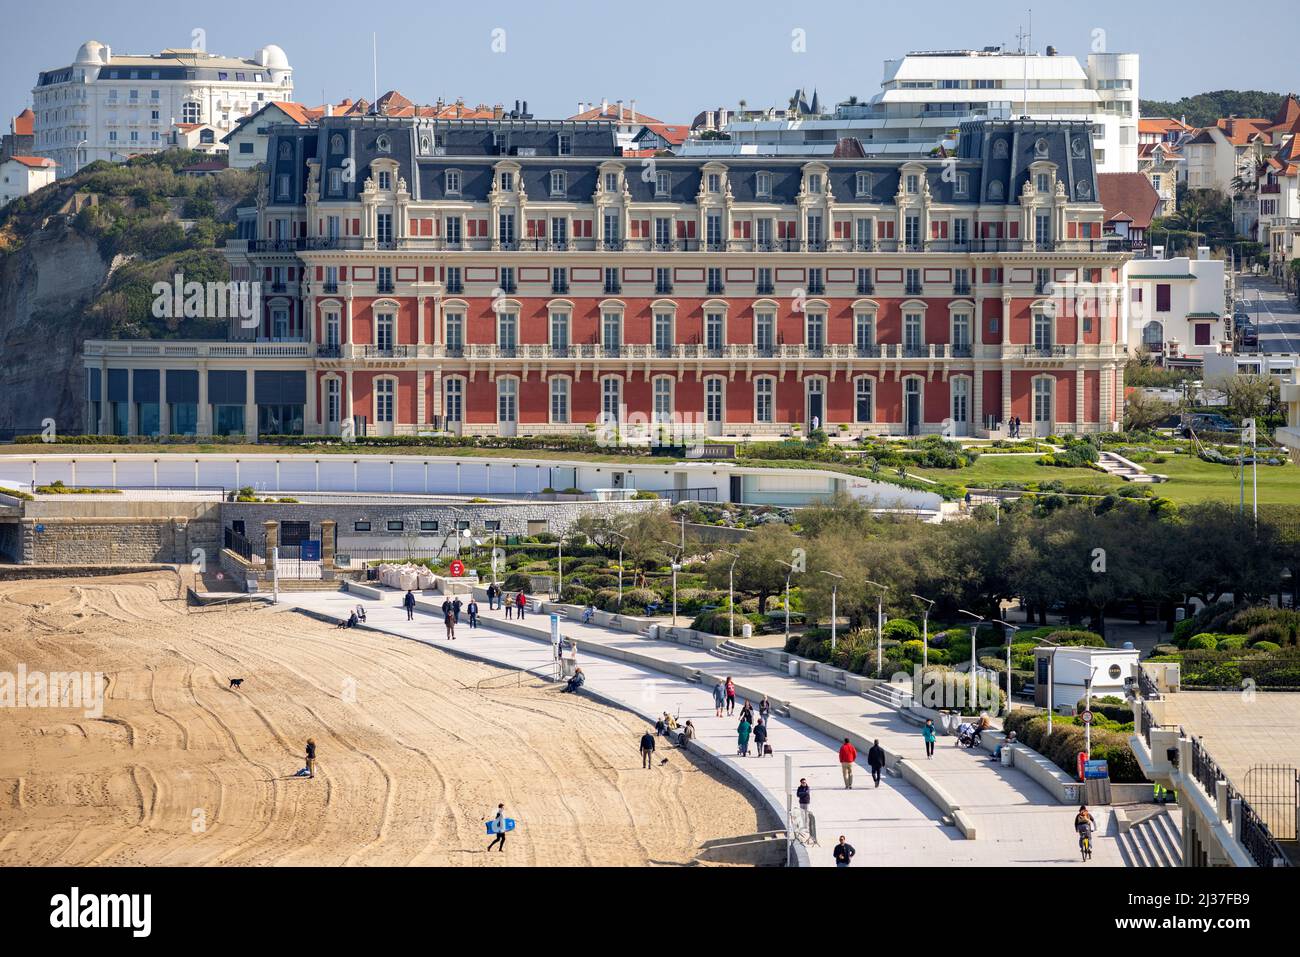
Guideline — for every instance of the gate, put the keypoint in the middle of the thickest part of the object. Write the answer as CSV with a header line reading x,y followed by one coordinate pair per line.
x,y
1273,790
296,562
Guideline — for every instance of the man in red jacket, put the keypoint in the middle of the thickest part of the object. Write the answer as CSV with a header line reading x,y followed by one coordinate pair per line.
x,y
848,754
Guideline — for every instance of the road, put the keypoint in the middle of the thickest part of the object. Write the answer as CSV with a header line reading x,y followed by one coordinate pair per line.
x,y
1274,313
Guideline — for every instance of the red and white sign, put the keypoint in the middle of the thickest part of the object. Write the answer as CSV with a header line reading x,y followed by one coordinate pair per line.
x,y
457,568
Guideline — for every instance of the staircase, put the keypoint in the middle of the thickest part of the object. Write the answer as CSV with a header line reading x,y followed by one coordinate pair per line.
x,y
737,652
1155,841
1113,464
885,694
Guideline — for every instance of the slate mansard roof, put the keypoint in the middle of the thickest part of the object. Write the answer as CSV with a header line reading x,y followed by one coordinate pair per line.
x,y
997,158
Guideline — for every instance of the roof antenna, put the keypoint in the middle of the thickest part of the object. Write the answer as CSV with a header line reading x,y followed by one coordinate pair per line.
x,y
1025,49
374,60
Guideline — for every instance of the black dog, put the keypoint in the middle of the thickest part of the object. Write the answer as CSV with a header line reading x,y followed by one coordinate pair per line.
x,y
236,682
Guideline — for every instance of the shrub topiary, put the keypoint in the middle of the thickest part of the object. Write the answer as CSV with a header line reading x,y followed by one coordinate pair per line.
x,y
1203,641
576,595
1266,646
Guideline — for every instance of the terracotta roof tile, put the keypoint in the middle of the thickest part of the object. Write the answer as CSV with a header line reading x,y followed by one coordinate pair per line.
x,y
1128,193
24,123
35,162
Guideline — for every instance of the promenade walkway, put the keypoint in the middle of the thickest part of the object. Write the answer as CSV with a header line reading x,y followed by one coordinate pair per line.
x,y
1017,822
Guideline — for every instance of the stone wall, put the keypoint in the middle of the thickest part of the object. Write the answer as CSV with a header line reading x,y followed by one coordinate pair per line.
x,y
105,541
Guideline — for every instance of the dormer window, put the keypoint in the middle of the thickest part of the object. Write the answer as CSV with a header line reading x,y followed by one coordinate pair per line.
x,y
559,182
763,184
286,151
385,179
424,144
663,184
336,145
961,187
1043,182
384,145
815,183
453,182
863,183
336,182
507,181
564,144
715,183
913,183
611,182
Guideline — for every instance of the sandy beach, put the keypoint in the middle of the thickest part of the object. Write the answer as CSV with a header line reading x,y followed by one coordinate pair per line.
x,y
415,747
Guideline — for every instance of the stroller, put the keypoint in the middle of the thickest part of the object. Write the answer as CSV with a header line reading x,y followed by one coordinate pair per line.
x,y
968,735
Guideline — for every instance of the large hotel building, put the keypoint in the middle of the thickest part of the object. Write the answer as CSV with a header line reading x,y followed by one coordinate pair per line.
x,y
527,277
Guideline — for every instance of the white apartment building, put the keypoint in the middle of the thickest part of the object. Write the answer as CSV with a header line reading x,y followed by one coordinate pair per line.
x,y
925,96
1176,308
111,107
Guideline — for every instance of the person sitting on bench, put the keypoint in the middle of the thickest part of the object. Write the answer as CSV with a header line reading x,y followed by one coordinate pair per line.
x,y
576,682
587,614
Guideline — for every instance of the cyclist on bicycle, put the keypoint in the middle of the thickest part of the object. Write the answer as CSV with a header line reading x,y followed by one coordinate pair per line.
x,y
1084,824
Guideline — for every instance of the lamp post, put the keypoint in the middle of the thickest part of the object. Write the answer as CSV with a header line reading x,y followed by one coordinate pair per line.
x,y
1011,634
559,546
974,629
788,574
675,567
925,631
731,594
880,626
622,540
834,590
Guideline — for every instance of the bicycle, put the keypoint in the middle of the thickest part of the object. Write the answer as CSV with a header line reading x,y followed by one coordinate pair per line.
x,y
1085,843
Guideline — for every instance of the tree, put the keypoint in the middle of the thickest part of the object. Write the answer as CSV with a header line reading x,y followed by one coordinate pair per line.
x,y
758,569
1143,411
1248,396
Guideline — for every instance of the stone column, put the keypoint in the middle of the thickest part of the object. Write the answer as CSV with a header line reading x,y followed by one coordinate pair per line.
x,y
1079,413
327,526
272,532
204,423
250,406
164,408
311,416
977,400
105,415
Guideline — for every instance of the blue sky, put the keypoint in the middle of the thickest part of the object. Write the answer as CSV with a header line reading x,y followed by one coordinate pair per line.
x,y
674,57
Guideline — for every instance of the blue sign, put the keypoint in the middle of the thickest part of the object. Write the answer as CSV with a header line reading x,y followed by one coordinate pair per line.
x,y
311,550
1095,769
40,528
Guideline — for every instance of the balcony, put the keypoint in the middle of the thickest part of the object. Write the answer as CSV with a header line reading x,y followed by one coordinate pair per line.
x,y
663,288
455,287
912,289
961,289
1270,189
716,288
816,289
764,289
866,289
330,288
385,288
613,288
865,351
559,288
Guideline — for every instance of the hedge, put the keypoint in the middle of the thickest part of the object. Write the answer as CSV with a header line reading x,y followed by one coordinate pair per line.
x,y
1063,745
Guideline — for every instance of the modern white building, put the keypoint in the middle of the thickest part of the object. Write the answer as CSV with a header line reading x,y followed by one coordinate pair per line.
x,y
1074,670
23,175
1176,308
112,107
925,96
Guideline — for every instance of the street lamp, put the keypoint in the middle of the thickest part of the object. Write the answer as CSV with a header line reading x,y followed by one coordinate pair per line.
x,y
880,626
925,631
676,566
974,628
787,595
731,594
622,539
559,548
1011,635
834,589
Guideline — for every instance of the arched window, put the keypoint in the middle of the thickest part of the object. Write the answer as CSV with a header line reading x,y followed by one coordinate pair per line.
x,y
913,333
1153,335
559,400
1042,330
764,399
333,400
332,329
611,399
336,144
864,333
864,400
663,399
385,324
453,406
507,399
385,394
961,338
663,332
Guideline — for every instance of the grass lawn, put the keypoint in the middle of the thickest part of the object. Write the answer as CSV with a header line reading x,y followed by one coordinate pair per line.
x,y
1190,479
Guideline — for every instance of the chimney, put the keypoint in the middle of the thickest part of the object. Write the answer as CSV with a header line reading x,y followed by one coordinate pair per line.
x,y
634,111
620,111
329,109
604,105
498,111
525,109
582,108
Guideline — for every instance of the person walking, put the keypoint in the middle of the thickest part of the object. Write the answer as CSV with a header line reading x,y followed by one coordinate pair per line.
x,y
409,604
719,699
510,605
876,760
843,853
647,749
521,602
804,793
764,708
743,731
730,688
747,711
499,829
492,596
449,620
311,757
472,610
928,733
446,607
760,737
455,608
848,755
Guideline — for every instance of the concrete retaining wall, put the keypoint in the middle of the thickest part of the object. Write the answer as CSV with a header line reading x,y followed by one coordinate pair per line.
x,y
109,541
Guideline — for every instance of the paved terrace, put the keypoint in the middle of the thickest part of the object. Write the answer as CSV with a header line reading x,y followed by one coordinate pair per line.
x,y
1018,823
1239,733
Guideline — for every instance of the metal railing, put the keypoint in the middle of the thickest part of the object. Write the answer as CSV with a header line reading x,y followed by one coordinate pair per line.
x,y
1255,836
238,544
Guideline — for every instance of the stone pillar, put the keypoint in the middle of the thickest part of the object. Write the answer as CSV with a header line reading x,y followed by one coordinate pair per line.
x,y
1079,414
311,415
180,541
977,400
204,423
327,544
272,531
164,407
105,414
250,406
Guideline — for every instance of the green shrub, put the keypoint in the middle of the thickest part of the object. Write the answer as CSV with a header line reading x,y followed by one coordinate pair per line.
x,y
1203,641
1274,632
1266,646
901,629
518,581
